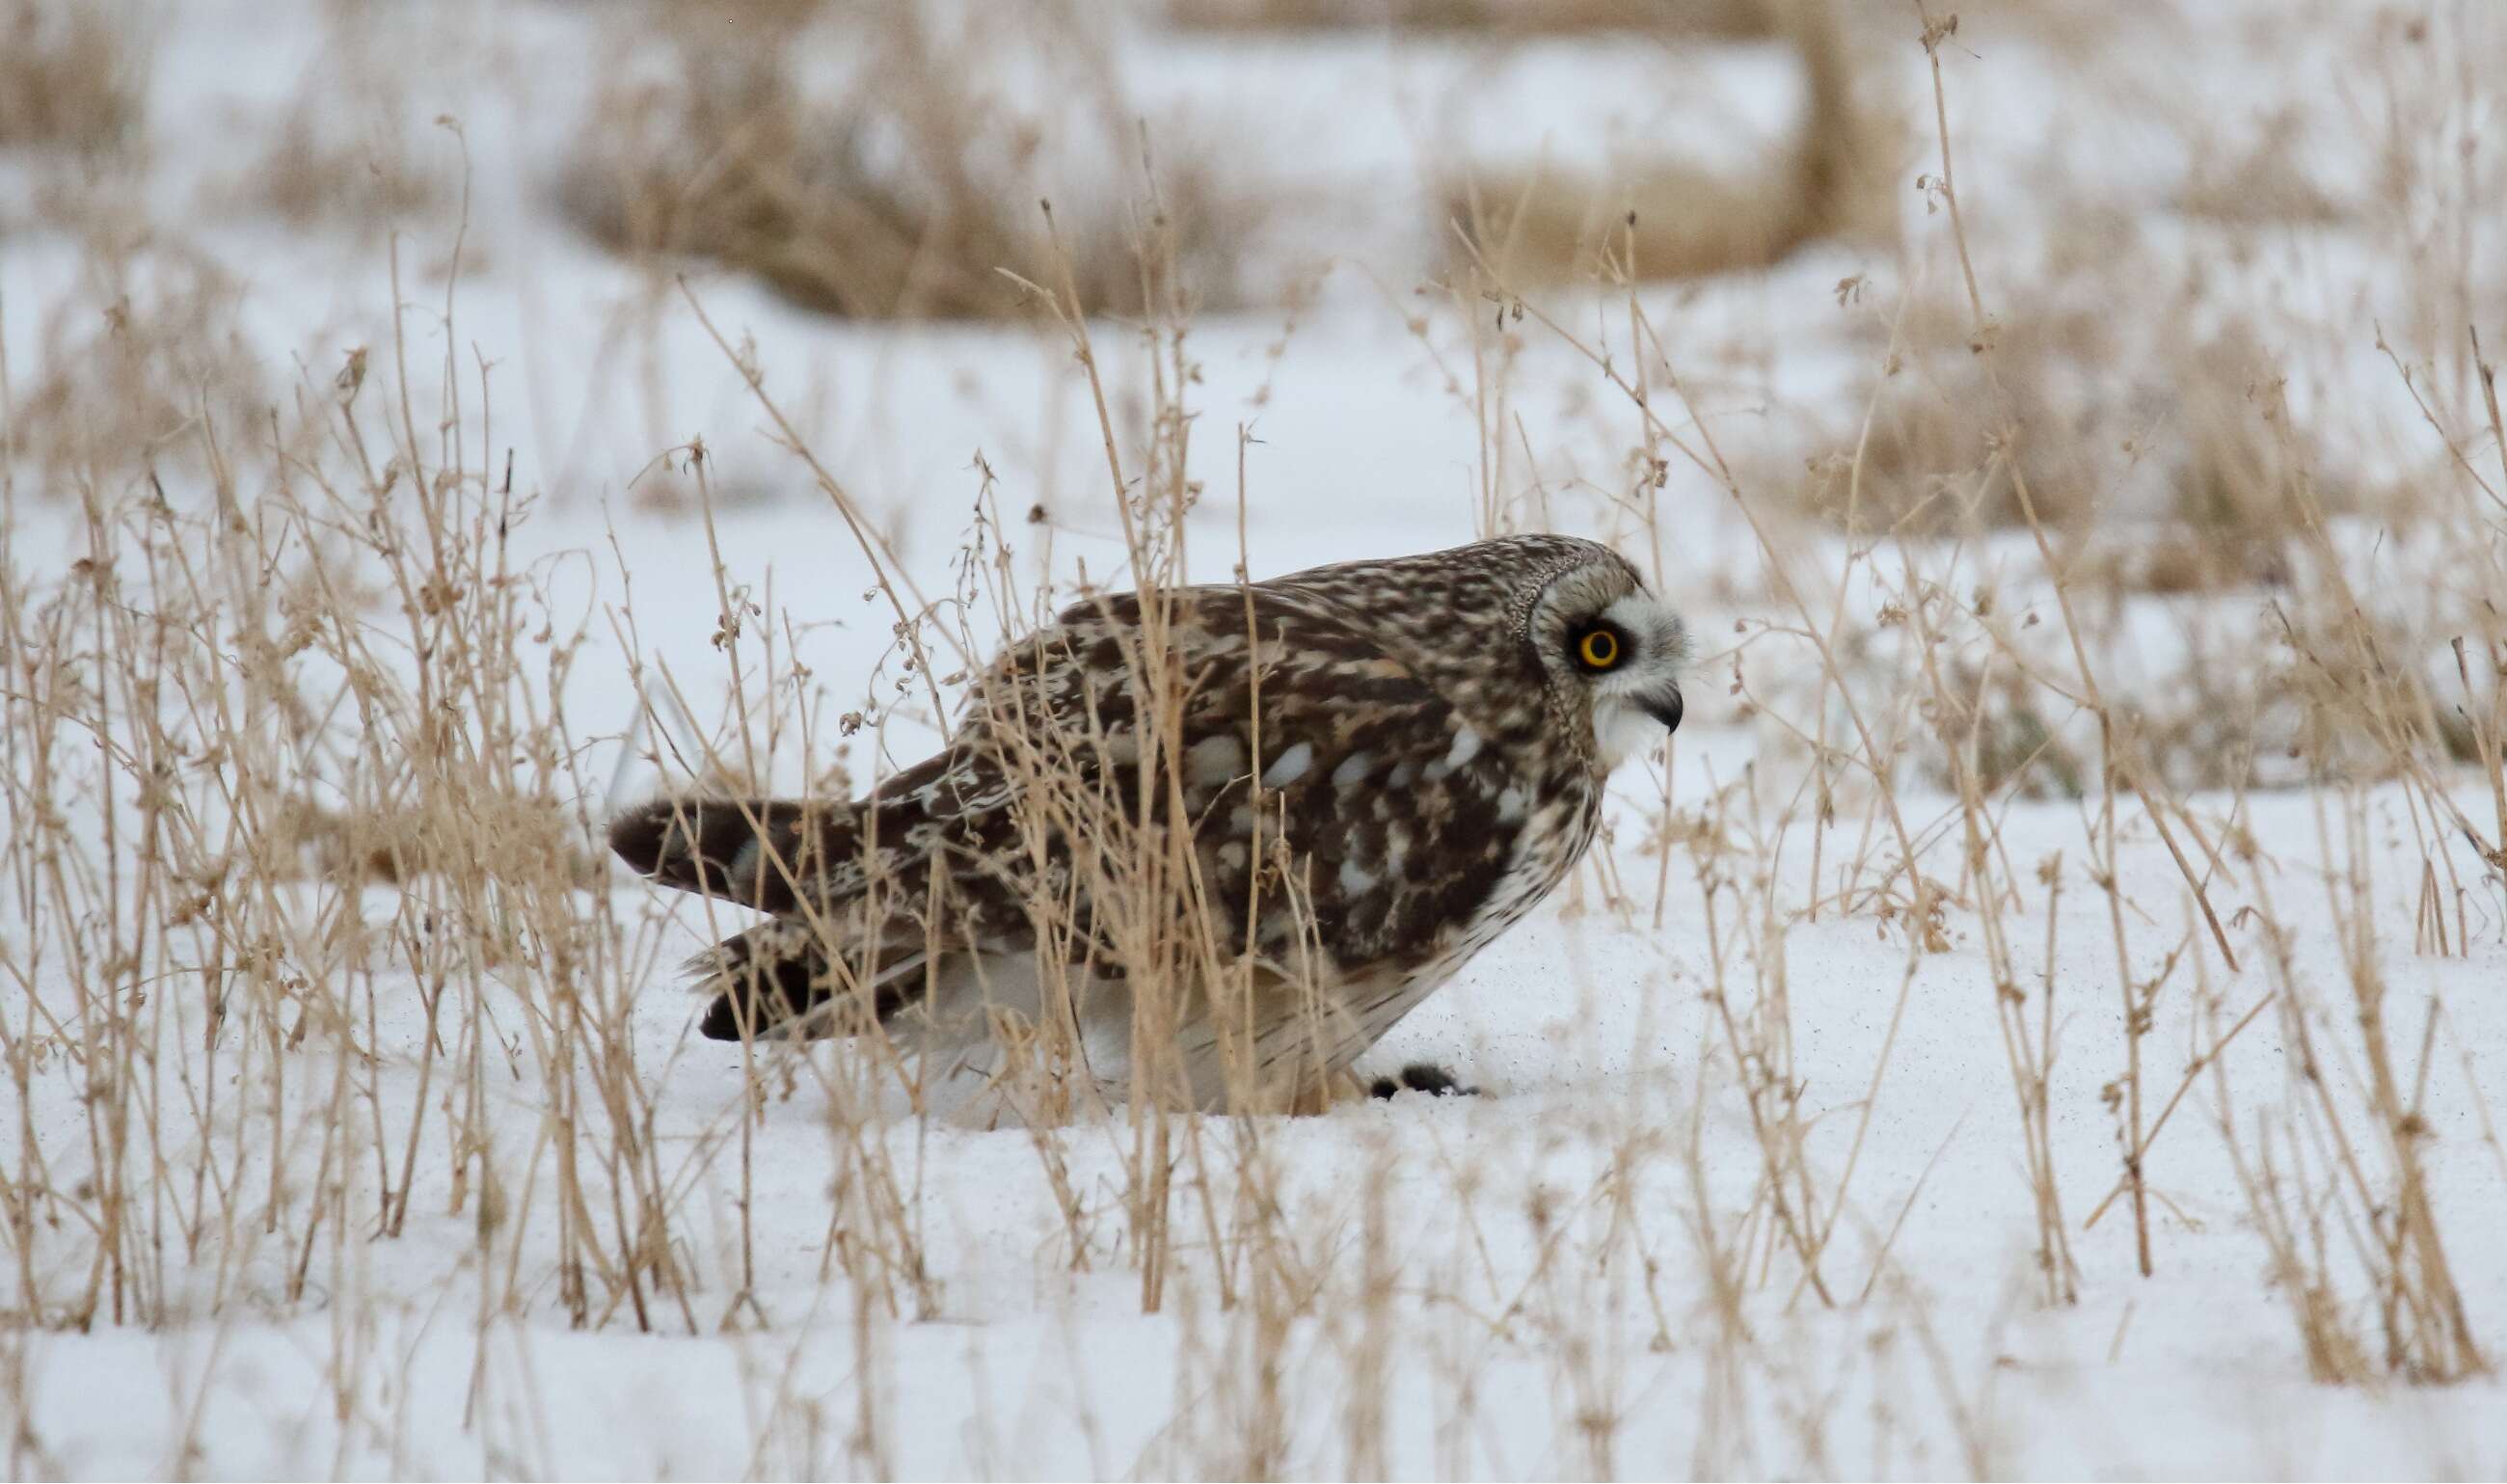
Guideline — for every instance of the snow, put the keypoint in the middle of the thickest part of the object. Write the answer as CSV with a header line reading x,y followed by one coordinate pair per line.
x,y
1536,1280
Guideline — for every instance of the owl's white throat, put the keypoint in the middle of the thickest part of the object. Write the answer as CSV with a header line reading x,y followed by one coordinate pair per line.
x,y
1622,729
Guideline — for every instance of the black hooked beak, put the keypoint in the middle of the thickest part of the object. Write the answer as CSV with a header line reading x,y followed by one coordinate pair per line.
x,y
1666,711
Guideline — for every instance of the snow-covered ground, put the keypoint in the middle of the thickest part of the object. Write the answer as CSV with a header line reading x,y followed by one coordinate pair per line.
x,y
1759,1181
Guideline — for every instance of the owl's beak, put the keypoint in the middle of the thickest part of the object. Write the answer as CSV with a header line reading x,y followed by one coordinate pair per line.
x,y
1665,710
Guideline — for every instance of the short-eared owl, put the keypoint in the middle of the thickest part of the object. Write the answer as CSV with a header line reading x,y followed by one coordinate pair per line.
x,y
1374,768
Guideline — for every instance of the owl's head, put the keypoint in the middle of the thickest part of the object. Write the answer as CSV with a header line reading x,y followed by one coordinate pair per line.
x,y
1612,651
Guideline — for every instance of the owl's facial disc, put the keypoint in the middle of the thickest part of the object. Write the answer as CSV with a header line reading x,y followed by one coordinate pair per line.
x,y
1630,656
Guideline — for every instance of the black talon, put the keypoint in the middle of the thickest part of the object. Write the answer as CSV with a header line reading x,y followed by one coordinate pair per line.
x,y
1423,1077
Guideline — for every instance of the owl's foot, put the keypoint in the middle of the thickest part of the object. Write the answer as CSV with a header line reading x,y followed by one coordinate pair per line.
x,y
1423,1077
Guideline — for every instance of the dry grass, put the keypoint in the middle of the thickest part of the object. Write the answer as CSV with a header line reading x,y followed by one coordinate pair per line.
x,y
2266,183
136,367
1656,219
1722,19
1927,455
246,675
908,190
2338,1177
2159,463
911,191
364,172
2167,460
72,76
2246,481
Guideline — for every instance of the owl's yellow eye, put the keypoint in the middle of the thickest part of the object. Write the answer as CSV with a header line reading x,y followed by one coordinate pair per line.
x,y
1599,649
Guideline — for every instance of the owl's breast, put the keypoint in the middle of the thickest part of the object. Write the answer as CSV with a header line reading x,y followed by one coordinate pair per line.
x,y
1378,851
1547,848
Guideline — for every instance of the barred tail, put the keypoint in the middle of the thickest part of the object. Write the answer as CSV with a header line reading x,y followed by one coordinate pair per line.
x,y
776,981
758,853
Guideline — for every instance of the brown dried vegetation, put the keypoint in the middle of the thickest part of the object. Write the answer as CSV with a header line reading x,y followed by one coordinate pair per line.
x,y
913,191
1653,218
72,75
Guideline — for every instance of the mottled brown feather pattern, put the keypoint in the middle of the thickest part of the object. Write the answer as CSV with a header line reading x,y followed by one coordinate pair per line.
x,y
1420,768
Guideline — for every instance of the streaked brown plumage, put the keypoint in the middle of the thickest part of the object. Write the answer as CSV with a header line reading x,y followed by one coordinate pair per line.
x,y
1428,764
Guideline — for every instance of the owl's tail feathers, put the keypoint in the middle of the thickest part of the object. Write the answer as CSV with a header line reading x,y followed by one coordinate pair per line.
x,y
757,852
777,981
833,963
